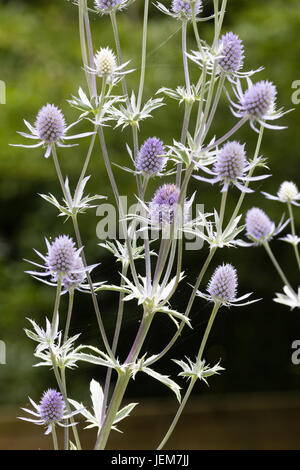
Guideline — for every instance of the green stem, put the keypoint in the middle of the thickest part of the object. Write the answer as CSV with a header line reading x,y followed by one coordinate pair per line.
x,y
119,53
294,232
144,51
94,298
63,391
115,340
188,309
194,379
69,315
123,380
222,213
277,266
54,436
86,162
56,304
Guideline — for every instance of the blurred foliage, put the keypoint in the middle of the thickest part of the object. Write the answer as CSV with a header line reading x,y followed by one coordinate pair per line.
x,y
41,62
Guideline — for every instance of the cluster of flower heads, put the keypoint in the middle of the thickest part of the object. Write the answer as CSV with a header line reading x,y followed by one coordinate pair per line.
x,y
150,157
50,411
62,263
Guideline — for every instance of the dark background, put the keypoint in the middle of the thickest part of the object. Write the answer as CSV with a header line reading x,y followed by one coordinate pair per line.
x,y
41,62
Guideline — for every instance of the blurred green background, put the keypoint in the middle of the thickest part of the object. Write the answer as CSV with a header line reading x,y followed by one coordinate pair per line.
x,y
41,62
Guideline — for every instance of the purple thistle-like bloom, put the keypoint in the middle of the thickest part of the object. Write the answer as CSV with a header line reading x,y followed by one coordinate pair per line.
x,y
259,99
163,205
62,256
183,8
75,279
106,6
231,161
223,285
51,406
258,225
50,124
232,51
149,160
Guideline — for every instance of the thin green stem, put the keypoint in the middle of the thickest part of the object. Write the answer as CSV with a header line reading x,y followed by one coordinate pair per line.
x,y
194,379
119,53
69,315
94,298
115,339
56,304
277,266
54,436
86,162
63,391
188,309
222,213
144,52
292,220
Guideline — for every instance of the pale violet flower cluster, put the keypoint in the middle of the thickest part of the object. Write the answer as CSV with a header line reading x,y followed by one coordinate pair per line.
x,y
51,411
150,244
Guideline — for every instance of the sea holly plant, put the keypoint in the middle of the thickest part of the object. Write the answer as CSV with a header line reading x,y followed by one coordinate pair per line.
x,y
149,278
261,230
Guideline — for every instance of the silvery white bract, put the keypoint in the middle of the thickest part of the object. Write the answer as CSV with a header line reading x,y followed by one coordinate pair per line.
x,y
289,298
200,371
132,114
95,419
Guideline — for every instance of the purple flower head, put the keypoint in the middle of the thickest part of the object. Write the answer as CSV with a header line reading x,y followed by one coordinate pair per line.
x,y
259,99
258,225
163,205
231,161
51,407
106,6
149,160
75,279
232,51
50,124
62,256
223,285
183,8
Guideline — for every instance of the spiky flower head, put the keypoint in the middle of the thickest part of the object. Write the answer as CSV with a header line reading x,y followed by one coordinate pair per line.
x,y
183,8
163,205
223,285
51,406
50,124
258,225
288,192
232,51
105,62
231,161
62,256
75,278
107,6
259,99
149,159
